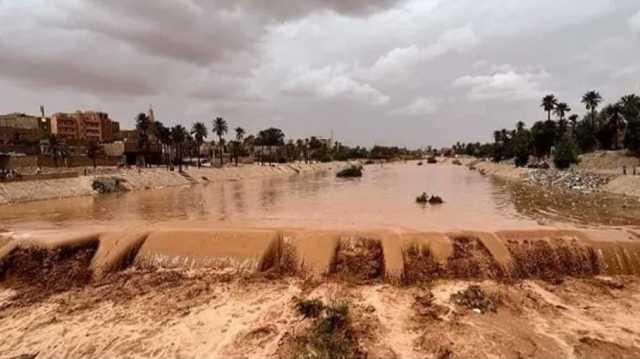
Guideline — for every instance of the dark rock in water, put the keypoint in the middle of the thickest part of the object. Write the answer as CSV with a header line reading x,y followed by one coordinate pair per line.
x,y
108,185
435,200
423,198
351,171
432,160
420,163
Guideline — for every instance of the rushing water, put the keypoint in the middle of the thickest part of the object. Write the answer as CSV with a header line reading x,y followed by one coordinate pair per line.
x,y
383,198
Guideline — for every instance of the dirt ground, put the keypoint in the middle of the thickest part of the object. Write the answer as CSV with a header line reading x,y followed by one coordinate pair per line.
x,y
150,313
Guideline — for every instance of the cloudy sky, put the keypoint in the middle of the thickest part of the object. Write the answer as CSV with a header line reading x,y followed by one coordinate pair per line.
x,y
414,72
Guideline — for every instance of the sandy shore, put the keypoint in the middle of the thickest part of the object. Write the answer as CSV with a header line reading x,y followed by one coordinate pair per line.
x,y
145,179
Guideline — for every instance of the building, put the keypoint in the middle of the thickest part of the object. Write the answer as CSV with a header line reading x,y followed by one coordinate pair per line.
x,y
89,126
19,127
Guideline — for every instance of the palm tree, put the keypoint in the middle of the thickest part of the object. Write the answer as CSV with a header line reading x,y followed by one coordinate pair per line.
x,y
220,128
591,100
631,107
615,121
178,137
549,102
561,109
143,125
199,132
238,145
164,136
56,149
520,126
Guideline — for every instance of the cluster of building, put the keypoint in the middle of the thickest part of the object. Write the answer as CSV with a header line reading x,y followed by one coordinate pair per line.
x,y
22,133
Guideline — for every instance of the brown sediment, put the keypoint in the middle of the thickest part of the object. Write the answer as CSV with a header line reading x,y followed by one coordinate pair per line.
x,y
355,256
471,259
359,260
425,257
38,272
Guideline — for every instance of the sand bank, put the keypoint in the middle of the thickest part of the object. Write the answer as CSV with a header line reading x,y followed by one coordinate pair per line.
x,y
145,179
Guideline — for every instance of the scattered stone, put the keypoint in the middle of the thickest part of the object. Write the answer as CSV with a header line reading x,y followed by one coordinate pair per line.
x,y
423,198
573,180
108,185
457,162
420,163
475,299
435,200
432,160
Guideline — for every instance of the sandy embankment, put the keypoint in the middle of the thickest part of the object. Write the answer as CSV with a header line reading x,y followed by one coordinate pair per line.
x,y
169,293
603,163
150,178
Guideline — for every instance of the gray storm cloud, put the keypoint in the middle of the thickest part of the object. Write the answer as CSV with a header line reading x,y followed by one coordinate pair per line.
x,y
409,72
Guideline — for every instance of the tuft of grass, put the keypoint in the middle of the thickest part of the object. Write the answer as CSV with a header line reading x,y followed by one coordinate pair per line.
x,y
330,336
309,308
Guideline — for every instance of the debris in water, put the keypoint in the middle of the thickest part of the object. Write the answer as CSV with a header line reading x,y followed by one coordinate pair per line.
x,y
351,171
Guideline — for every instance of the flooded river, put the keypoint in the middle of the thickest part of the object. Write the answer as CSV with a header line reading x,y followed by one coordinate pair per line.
x,y
384,198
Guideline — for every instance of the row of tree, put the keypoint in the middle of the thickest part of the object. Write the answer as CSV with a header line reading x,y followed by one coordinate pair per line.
x,y
616,126
268,145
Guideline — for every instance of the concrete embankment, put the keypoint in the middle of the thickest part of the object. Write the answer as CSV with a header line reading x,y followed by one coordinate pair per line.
x,y
145,179
353,256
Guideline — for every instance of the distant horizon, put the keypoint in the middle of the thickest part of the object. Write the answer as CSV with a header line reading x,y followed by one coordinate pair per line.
x,y
409,73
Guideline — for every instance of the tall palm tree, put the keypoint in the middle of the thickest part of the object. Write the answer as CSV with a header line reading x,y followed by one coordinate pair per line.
x,y
240,132
615,121
220,128
56,149
631,107
561,109
143,127
573,120
549,102
199,132
591,100
520,126
164,137
178,137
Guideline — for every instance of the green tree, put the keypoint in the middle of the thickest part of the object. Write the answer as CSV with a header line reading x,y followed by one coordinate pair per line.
x,y
632,136
270,137
561,109
240,132
57,149
591,100
92,152
549,103
565,153
143,128
163,134
199,132
178,137
220,128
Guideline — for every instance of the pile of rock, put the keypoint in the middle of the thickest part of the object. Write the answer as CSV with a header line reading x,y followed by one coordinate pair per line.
x,y
573,180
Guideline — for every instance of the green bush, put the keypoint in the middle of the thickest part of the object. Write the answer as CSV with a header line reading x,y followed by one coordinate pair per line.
x,y
565,154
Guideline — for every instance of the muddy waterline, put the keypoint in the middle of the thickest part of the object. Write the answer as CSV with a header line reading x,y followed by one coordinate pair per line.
x,y
383,198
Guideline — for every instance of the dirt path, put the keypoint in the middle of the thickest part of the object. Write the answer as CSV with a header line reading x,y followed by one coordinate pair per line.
x,y
165,314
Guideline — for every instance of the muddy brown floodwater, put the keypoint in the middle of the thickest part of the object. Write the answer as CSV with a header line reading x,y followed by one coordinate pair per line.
x,y
383,199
